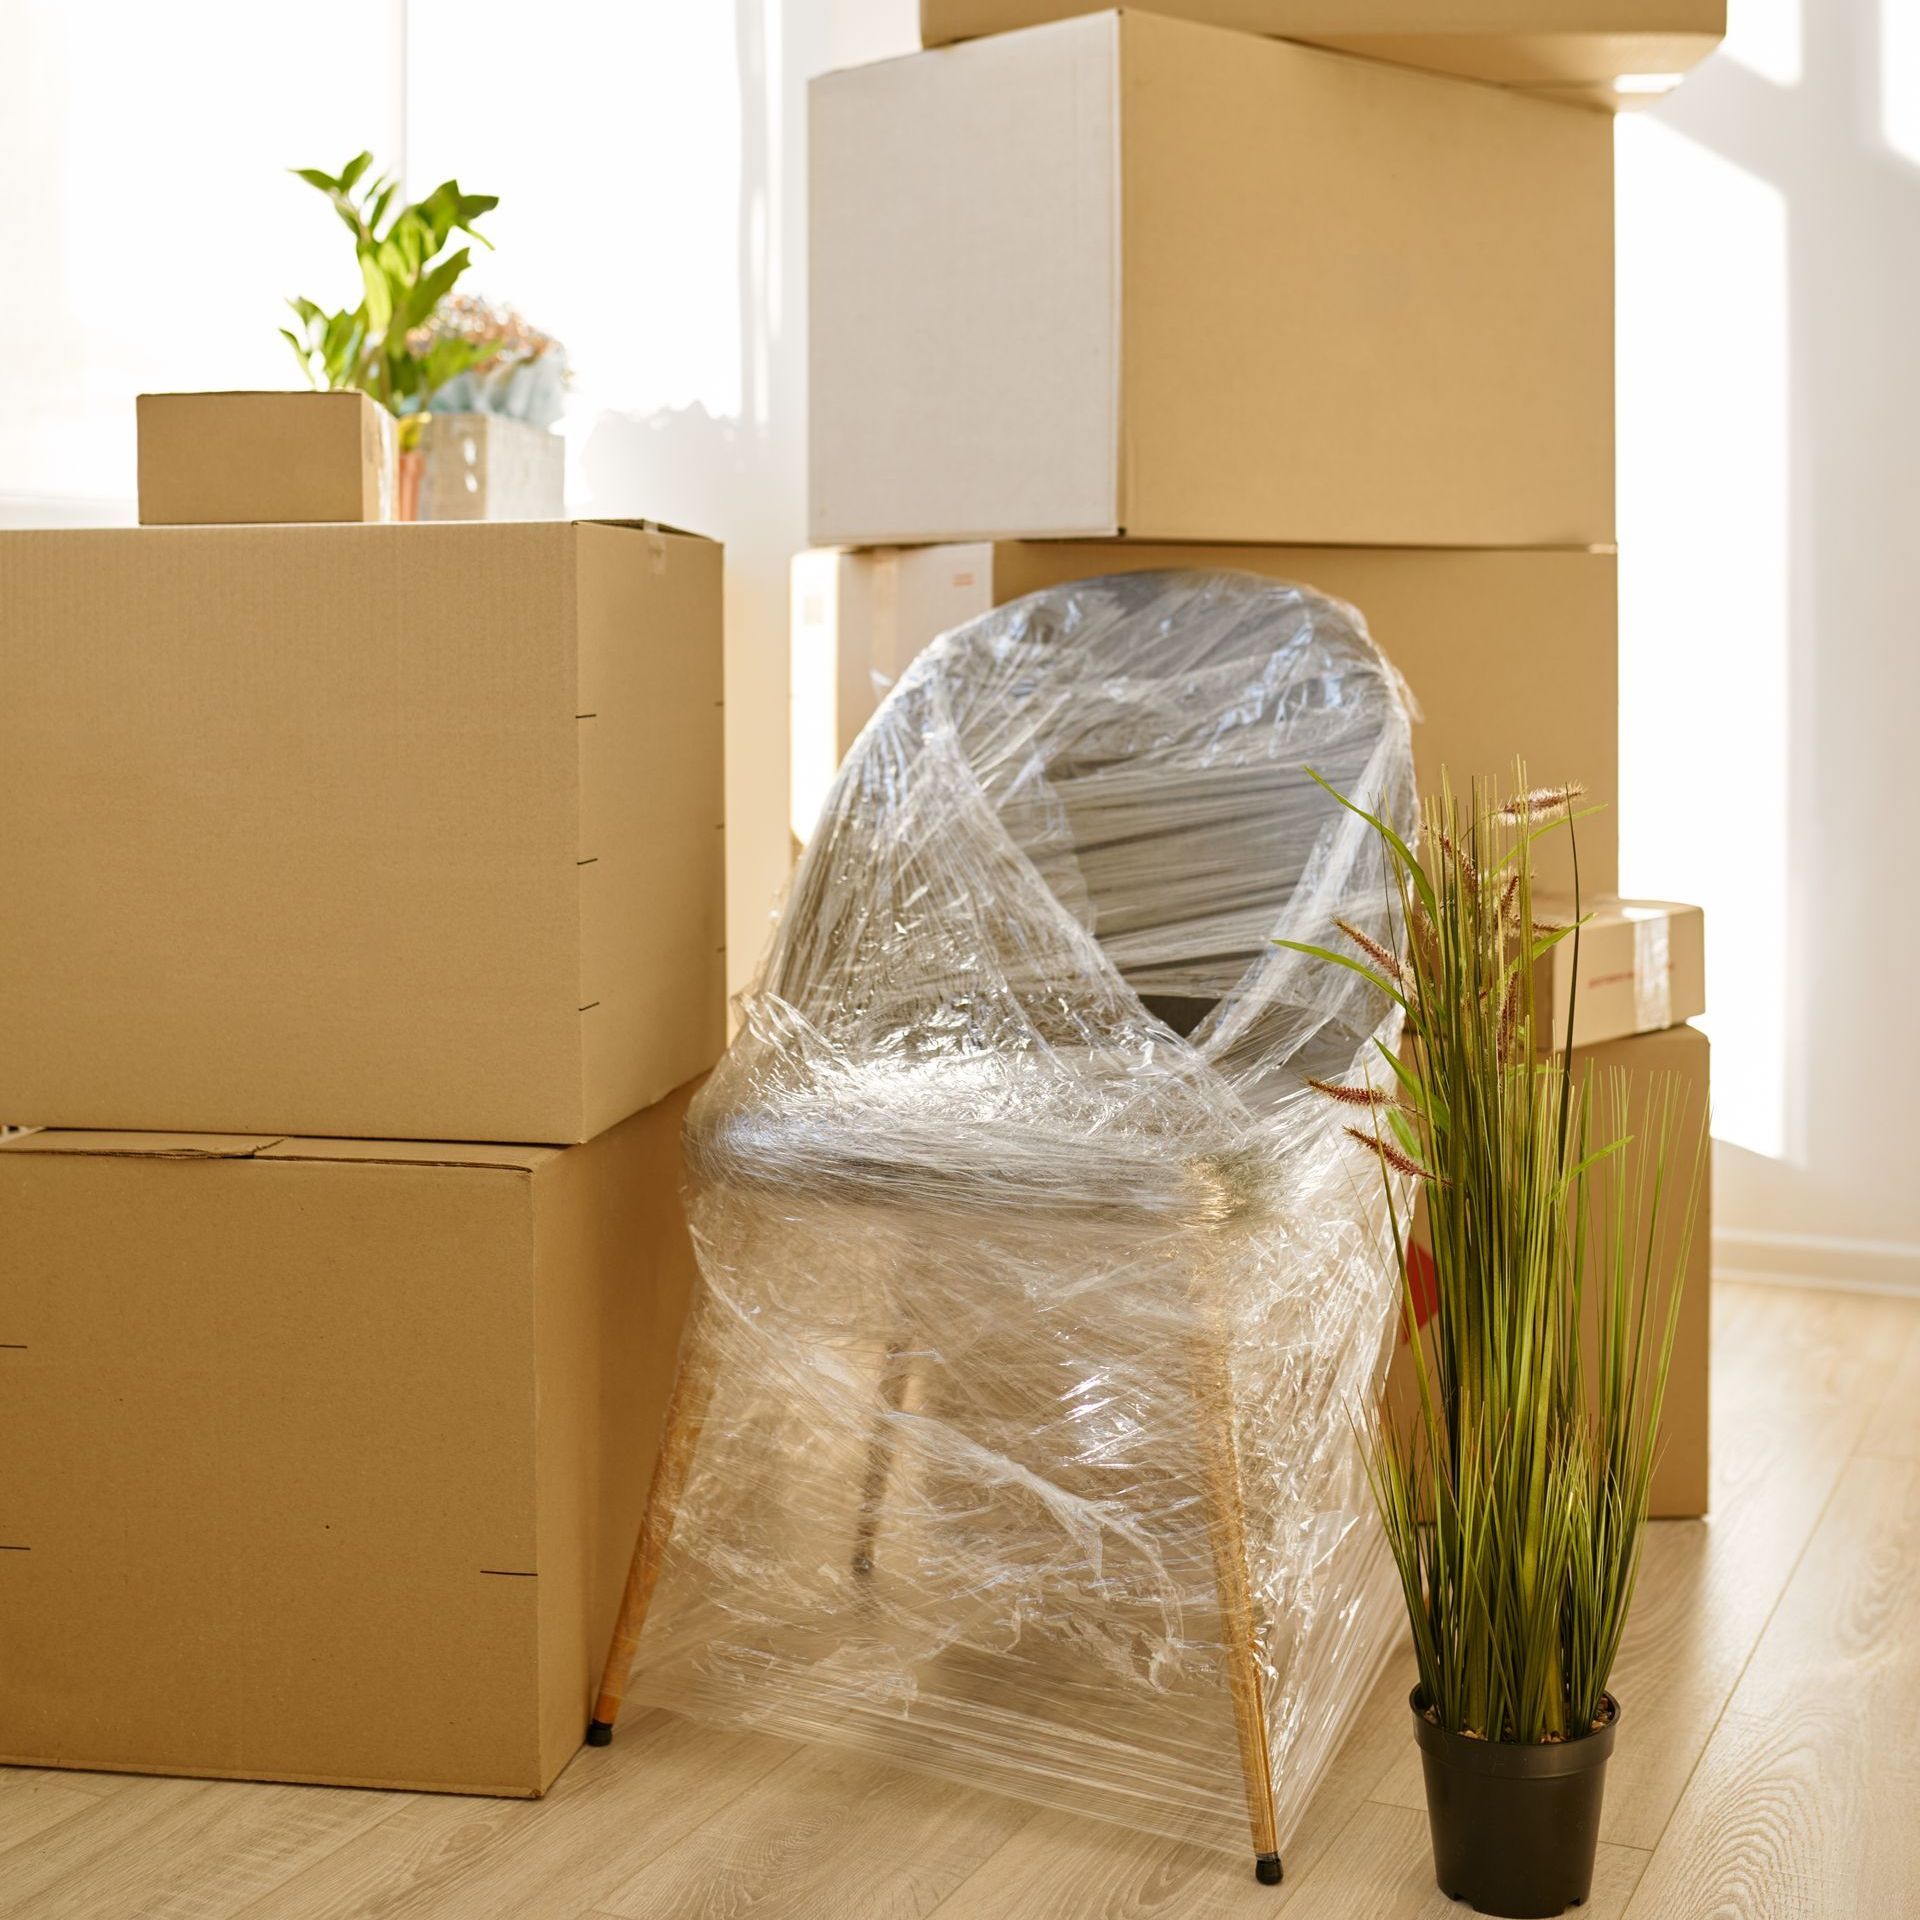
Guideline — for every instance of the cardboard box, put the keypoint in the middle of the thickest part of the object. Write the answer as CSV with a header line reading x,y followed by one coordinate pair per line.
x,y
220,459
1643,968
1125,275
326,1457
1506,652
482,466
405,832
1610,53
1681,1479
856,621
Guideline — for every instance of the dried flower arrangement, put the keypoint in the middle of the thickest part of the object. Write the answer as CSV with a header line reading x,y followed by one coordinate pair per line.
x,y
516,372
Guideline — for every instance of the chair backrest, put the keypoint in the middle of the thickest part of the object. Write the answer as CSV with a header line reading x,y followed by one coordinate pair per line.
x,y
1143,740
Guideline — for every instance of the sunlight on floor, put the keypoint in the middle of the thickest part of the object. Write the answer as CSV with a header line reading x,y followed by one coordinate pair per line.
x,y
1704,584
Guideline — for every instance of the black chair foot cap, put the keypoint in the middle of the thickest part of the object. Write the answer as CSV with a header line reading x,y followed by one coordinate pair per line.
x,y
599,1733
1266,1869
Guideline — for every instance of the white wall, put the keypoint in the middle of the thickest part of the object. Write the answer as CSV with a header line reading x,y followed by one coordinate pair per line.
x,y
1770,494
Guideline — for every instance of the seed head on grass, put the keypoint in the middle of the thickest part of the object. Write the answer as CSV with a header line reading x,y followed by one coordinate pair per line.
x,y
1382,957
1398,1161
1538,803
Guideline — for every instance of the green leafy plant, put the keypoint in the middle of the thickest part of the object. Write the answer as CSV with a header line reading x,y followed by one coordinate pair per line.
x,y
1514,1495
381,345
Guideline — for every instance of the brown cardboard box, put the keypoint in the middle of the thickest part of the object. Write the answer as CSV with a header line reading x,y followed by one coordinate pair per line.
x,y
1130,275
325,1457
216,459
1610,52
1506,652
406,832
856,621
1643,967
1681,1479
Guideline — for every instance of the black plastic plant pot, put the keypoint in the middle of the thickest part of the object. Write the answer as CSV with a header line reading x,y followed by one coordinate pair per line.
x,y
1515,1827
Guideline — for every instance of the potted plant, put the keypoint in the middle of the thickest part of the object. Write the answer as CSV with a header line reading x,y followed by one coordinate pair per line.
x,y
408,265
1514,1493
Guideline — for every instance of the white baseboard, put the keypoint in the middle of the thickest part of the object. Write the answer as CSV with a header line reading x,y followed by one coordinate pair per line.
x,y
1817,1260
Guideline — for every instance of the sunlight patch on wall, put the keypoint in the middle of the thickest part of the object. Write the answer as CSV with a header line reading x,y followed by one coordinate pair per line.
x,y
619,228
1765,35
1704,584
151,206
1900,76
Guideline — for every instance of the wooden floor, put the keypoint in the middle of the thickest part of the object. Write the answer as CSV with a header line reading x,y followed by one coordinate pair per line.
x,y
1768,1765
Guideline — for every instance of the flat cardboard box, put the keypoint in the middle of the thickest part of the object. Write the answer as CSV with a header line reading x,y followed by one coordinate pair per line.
x,y
325,1457
377,832
1681,1478
1505,652
1643,968
1612,53
229,459
1126,275
483,466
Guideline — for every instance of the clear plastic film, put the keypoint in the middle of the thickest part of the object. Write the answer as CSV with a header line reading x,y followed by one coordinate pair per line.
x,y
1014,1438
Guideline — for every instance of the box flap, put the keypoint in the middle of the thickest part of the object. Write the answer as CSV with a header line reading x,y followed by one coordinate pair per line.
x,y
143,1146
650,526
251,393
413,1153
240,1146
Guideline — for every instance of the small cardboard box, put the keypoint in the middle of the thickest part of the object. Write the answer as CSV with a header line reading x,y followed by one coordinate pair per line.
x,y
377,832
1611,53
1126,275
325,1457
229,459
1643,968
1681,1478
1506,652
482,466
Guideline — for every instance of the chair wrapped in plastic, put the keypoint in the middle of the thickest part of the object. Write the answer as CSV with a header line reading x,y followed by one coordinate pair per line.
x,y
1013,1436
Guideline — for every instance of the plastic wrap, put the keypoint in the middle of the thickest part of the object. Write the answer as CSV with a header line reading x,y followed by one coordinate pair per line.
x,y
1013,1439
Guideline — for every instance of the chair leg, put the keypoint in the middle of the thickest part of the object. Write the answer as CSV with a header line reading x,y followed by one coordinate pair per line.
x,y
686,1413
880,1451
1227,1534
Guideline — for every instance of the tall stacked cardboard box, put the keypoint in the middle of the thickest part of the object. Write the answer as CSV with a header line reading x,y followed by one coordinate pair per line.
x,y
1097,291
362,947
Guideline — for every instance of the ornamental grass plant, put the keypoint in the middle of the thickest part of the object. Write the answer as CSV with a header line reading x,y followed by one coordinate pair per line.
x,y
1515,1495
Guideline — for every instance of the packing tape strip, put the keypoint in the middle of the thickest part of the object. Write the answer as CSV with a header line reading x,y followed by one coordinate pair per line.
x,y
1652,974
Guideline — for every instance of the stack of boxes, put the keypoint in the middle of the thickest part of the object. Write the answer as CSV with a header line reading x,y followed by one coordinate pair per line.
x,y
1128,289
363,940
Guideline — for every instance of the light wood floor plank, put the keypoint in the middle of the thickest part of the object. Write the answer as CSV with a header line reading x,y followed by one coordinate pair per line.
x,y
828,1835
1895,1427
615,1809
1797,1375
1383,1870
1069,1869
178,1849
99,1785
32,1803
1806,1805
